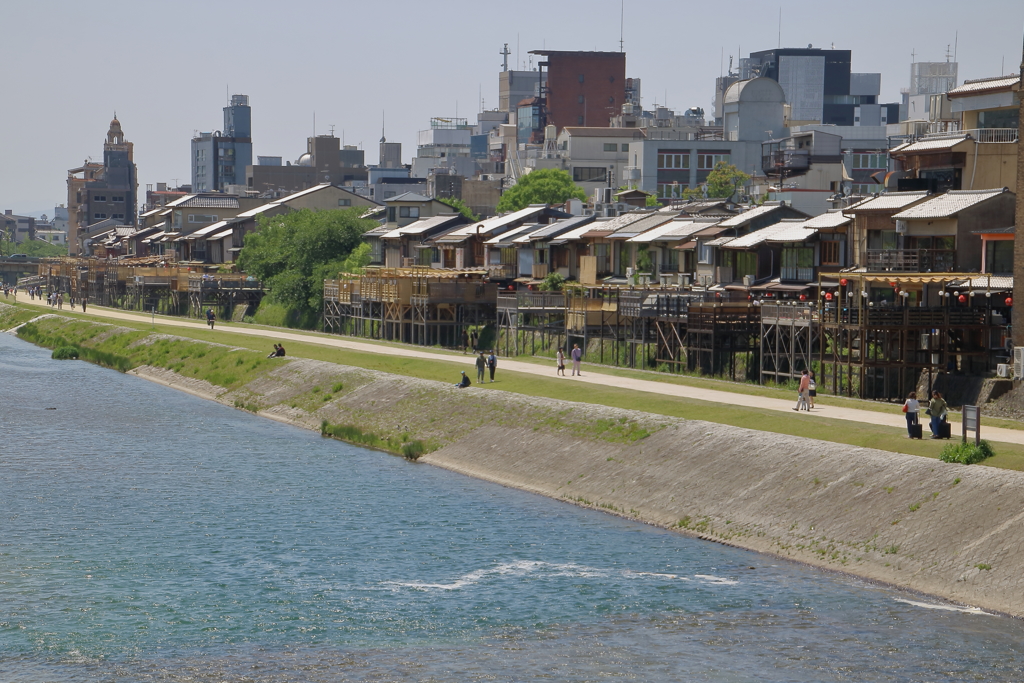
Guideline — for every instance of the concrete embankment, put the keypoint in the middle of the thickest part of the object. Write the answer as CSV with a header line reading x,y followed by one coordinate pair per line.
x,y
947,530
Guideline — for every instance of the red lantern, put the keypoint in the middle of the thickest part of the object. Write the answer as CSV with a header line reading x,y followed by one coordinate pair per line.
x,y
511,287
828,296
844,282
529,287
803,297
962,299
893,285
1009,301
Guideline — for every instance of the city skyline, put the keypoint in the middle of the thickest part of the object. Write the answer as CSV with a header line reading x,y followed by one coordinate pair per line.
x,y
347,64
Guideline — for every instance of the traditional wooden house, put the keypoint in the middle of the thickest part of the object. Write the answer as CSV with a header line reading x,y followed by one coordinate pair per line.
x,y
661,246
509,256
552,254
716,266
410,245
464,247
632,255
941,234
873,231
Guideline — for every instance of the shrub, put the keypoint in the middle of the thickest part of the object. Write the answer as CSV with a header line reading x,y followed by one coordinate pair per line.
x,y
413,449
65,353
966,453
552,283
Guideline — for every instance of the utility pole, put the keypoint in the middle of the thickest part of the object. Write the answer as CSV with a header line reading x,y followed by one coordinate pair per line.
x,y
1018,244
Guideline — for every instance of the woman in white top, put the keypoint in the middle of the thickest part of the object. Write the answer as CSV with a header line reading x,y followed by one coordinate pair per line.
x,y
910,408
560,361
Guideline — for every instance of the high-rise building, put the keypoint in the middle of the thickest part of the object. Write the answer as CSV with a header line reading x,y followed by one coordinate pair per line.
x,y
219,159
820,87
98,192
581,88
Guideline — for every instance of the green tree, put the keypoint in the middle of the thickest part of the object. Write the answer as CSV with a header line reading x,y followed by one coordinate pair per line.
x,y
724,179
652,200
41,248
543,186
293,254
460,206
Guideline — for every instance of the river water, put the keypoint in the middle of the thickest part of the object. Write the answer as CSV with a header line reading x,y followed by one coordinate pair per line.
x,y
147,535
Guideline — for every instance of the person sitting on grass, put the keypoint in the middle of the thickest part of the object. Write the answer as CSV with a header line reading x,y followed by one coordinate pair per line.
x,y
280,351
464,382
274,352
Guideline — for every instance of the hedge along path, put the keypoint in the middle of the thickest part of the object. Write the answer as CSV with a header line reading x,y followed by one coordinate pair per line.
x,y
896,419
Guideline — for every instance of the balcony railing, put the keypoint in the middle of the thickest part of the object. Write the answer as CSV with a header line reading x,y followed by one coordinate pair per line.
x,y
980,134
502,271
912,260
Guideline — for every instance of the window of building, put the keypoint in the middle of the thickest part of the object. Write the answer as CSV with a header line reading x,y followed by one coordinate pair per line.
x,y
344,202
830,253
872,161
200,154
409,212
673,160
580,99
202,218
625,147
707,161
611,147
999,118
117,198
99,198
746,264
229,170
99,216
864,188
119,216
705,253
999,256
579,120
672,190
604,264
589,174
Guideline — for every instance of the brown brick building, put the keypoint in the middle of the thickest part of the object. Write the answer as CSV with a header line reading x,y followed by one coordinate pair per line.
x,y
582,88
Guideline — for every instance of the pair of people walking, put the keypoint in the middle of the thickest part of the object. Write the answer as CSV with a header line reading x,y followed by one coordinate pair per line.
x,y
577,358
484,364
806,392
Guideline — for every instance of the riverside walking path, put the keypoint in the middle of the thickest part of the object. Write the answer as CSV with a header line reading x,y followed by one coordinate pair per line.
x,y
894,419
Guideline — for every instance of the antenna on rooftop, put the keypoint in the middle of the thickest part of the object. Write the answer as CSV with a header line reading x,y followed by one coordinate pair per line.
x,y
622,21
504,57
332,129
780,26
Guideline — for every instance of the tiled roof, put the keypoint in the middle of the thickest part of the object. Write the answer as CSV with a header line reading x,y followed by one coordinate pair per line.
x,y
658,232
407,197
489,225
749,215
1001,283
934,145
720,241
948,204
642,225
890,201
983,85
557,228
424,225
760,236
829,219
194,201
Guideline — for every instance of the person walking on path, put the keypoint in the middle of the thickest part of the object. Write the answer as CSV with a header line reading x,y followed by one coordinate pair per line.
x,y
938,410
801,398
481,365
577,357
560,362
210,317
85,300
465,342
474,340
910,409
492,364
812,391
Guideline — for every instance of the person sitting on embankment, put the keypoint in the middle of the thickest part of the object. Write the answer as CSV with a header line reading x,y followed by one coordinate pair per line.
x,y
464,382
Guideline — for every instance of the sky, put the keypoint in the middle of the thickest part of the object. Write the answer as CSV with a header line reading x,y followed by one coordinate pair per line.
x,y
166,68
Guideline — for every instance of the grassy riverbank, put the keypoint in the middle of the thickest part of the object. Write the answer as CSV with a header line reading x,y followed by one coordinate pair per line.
x,y
212,367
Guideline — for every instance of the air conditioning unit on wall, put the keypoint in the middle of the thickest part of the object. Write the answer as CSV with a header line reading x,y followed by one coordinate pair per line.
x,y
1003,370
1018,362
